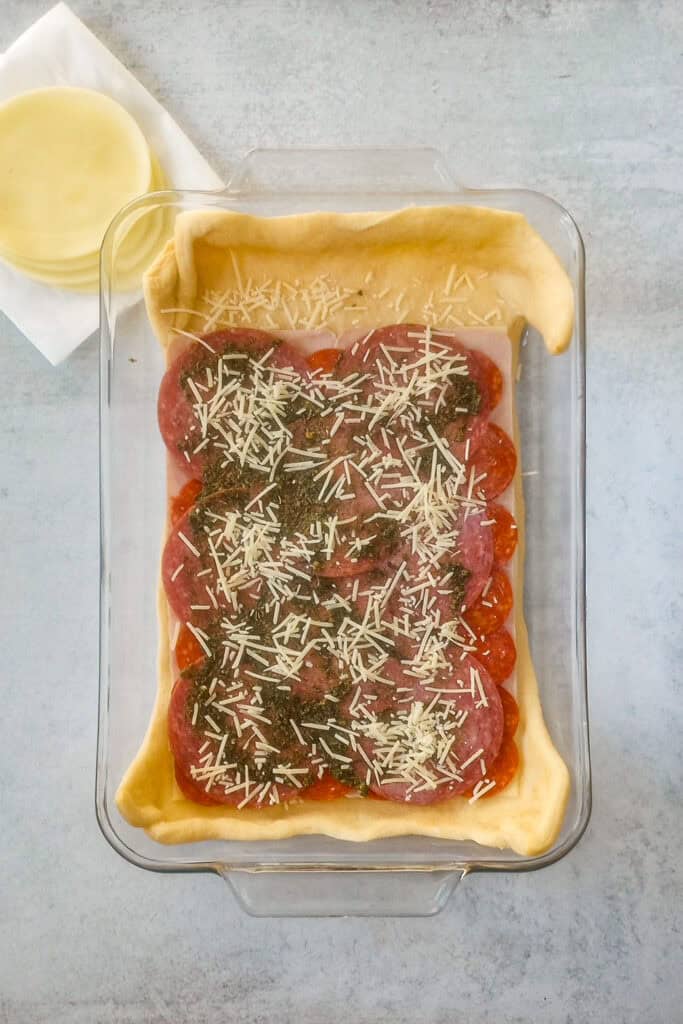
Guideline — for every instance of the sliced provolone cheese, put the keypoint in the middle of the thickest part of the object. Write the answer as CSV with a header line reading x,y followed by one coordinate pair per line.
x,y
69,159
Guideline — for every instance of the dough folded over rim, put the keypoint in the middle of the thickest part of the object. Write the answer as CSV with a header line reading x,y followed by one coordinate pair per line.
x,y
492,269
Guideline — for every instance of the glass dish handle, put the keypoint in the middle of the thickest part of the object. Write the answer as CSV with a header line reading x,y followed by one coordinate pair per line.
x,y
316,170
343,893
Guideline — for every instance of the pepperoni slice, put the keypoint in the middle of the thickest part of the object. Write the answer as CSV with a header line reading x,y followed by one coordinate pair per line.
x,y
510,713
504,768
178,422
410,746
188,650
184,501
494,463
325,359
190,743
488,378
498,654
185,742
195,589
489,612
505,533
327,788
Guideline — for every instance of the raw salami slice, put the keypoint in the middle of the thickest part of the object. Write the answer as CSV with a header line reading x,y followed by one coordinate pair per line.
x,y
407,595
401,351
336,576
178,408
210,762
341,563
314,679
344,491
375,695
204,568
434,374
454,582
359,542
464,435
357,591
481,369
475,554
428,741
328,436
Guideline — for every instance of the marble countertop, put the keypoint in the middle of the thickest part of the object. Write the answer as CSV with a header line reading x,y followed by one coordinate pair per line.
x,y
582,100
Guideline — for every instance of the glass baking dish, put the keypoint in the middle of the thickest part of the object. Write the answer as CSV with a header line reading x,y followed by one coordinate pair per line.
x,y
315,875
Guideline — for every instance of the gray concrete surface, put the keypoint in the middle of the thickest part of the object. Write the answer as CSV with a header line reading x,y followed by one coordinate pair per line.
x,y
581,100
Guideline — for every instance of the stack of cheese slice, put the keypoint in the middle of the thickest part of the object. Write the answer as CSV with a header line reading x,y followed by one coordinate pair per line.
x,y
69,160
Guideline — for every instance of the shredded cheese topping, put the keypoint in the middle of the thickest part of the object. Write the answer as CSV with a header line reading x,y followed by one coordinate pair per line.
x,y
324,570
465,298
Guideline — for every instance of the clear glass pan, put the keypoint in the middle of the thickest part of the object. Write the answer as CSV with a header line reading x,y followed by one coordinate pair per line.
x,y
314,875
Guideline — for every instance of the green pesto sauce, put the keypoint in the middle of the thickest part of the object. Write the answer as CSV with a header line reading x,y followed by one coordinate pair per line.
x,y
462,394
299,505
297,495
388,534
458,584
233,480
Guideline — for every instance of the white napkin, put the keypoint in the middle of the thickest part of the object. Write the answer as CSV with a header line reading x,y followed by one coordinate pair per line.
x,y
59,50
